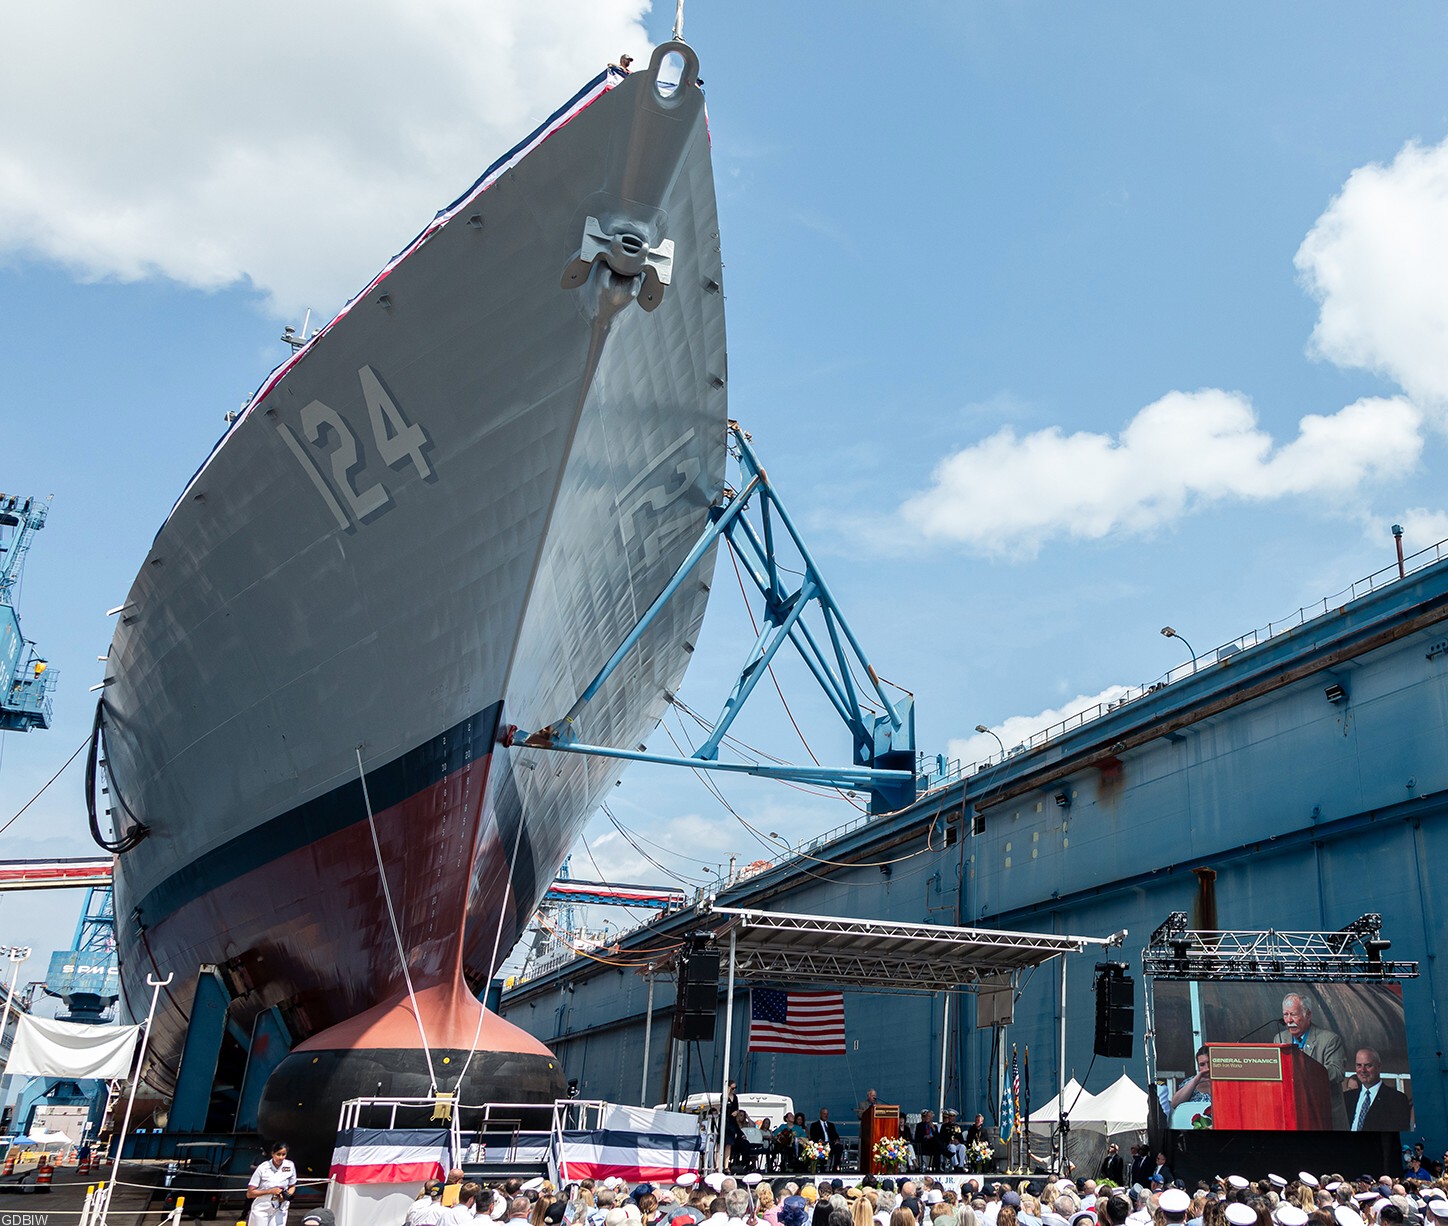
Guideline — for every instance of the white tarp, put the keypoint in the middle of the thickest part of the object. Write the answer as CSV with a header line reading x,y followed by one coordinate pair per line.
x,y
43,1047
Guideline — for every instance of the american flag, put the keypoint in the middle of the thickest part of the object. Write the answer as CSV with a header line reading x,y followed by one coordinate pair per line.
x,y
805,1023
1016,1087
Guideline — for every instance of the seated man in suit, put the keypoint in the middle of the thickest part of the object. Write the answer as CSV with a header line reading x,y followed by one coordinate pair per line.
x,y
826,1133
1375,1106
927,1139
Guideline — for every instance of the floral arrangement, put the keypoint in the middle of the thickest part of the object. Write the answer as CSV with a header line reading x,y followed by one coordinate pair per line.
x,y
814,1151
979,1153
1203,1118
891,1153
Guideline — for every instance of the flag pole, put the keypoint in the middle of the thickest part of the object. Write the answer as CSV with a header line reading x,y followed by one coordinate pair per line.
x,y
1026,1100
155,985
944,1050
1061,1109
728,1040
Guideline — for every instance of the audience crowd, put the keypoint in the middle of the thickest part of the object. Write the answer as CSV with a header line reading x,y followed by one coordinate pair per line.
x,y
972,1200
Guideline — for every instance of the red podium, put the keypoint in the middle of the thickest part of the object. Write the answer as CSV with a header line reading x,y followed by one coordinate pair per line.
x,y
877,1121
1268,1086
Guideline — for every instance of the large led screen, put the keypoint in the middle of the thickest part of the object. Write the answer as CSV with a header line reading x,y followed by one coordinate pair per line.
x,y
1269,1056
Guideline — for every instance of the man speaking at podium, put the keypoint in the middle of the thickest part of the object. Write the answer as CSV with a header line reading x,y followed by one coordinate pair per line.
x,y
1321,1045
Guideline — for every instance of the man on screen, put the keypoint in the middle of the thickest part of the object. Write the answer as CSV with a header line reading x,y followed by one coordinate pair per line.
x,y
1375,1106
1321,1045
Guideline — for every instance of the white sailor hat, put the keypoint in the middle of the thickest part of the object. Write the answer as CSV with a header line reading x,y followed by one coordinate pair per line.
x,y
753,1178
1308,1178
1438,1207
533,1184
1333,1186
714,1180
687,1180
1239,1182
1174,1200
1346,1215
1241,1215
1289,1215
1433,1191
1276,1181
1362,1198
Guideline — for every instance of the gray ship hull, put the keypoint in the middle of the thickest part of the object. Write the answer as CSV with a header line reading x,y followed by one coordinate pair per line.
x,y
439,518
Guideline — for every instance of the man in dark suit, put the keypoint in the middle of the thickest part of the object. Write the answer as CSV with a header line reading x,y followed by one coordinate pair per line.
x,y
1160,1170
1140,1165
927,1140
1113,1166
826,1133
1375,1106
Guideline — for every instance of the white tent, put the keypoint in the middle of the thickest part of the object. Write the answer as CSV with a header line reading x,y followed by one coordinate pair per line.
x,y
1078,1105
1121,1107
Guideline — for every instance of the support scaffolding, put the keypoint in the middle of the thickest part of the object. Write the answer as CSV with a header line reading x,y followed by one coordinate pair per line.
x,y
884,744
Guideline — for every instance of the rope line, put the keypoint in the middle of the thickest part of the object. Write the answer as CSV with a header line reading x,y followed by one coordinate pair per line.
x,y
497,940
392,918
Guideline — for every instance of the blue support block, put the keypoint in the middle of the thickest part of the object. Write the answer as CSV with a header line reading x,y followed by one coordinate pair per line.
x,y
200,1054
270,1044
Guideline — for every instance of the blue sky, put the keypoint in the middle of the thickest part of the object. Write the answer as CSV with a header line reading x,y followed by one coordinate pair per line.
x,y
1053,323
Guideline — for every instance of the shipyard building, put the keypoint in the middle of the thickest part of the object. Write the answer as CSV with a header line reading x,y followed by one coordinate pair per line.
x,y
1293,780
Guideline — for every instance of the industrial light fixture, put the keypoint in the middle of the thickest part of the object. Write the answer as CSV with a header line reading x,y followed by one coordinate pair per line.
x,y
983,729
1170,633
1335,693
1063,800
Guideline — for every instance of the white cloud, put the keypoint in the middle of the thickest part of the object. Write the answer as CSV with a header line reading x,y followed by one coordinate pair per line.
x,y
1011,493
1422,528
294,146
1377,262
1016,730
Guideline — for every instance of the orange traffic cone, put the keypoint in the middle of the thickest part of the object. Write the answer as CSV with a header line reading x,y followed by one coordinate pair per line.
x,y
83,1163
9,1163
44,1174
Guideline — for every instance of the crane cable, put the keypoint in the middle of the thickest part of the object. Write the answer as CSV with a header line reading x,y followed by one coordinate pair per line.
x,y
46,784
750,610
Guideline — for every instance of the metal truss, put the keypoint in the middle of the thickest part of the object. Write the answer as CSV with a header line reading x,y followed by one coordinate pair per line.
x,y
884,745
1354,952
880,953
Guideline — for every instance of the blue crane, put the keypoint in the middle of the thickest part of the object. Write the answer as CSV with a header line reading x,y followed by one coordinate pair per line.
x,y
27,682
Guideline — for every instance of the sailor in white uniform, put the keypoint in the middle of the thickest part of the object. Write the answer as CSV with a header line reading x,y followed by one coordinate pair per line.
x,y
270,1189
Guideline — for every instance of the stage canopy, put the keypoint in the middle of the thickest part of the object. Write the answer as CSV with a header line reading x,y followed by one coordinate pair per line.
x,y
857,953
872,954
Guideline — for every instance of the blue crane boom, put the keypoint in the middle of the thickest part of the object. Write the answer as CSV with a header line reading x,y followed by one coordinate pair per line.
x,y
27,682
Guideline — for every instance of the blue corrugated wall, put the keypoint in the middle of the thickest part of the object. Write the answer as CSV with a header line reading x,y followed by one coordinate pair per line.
x,y
1310,812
